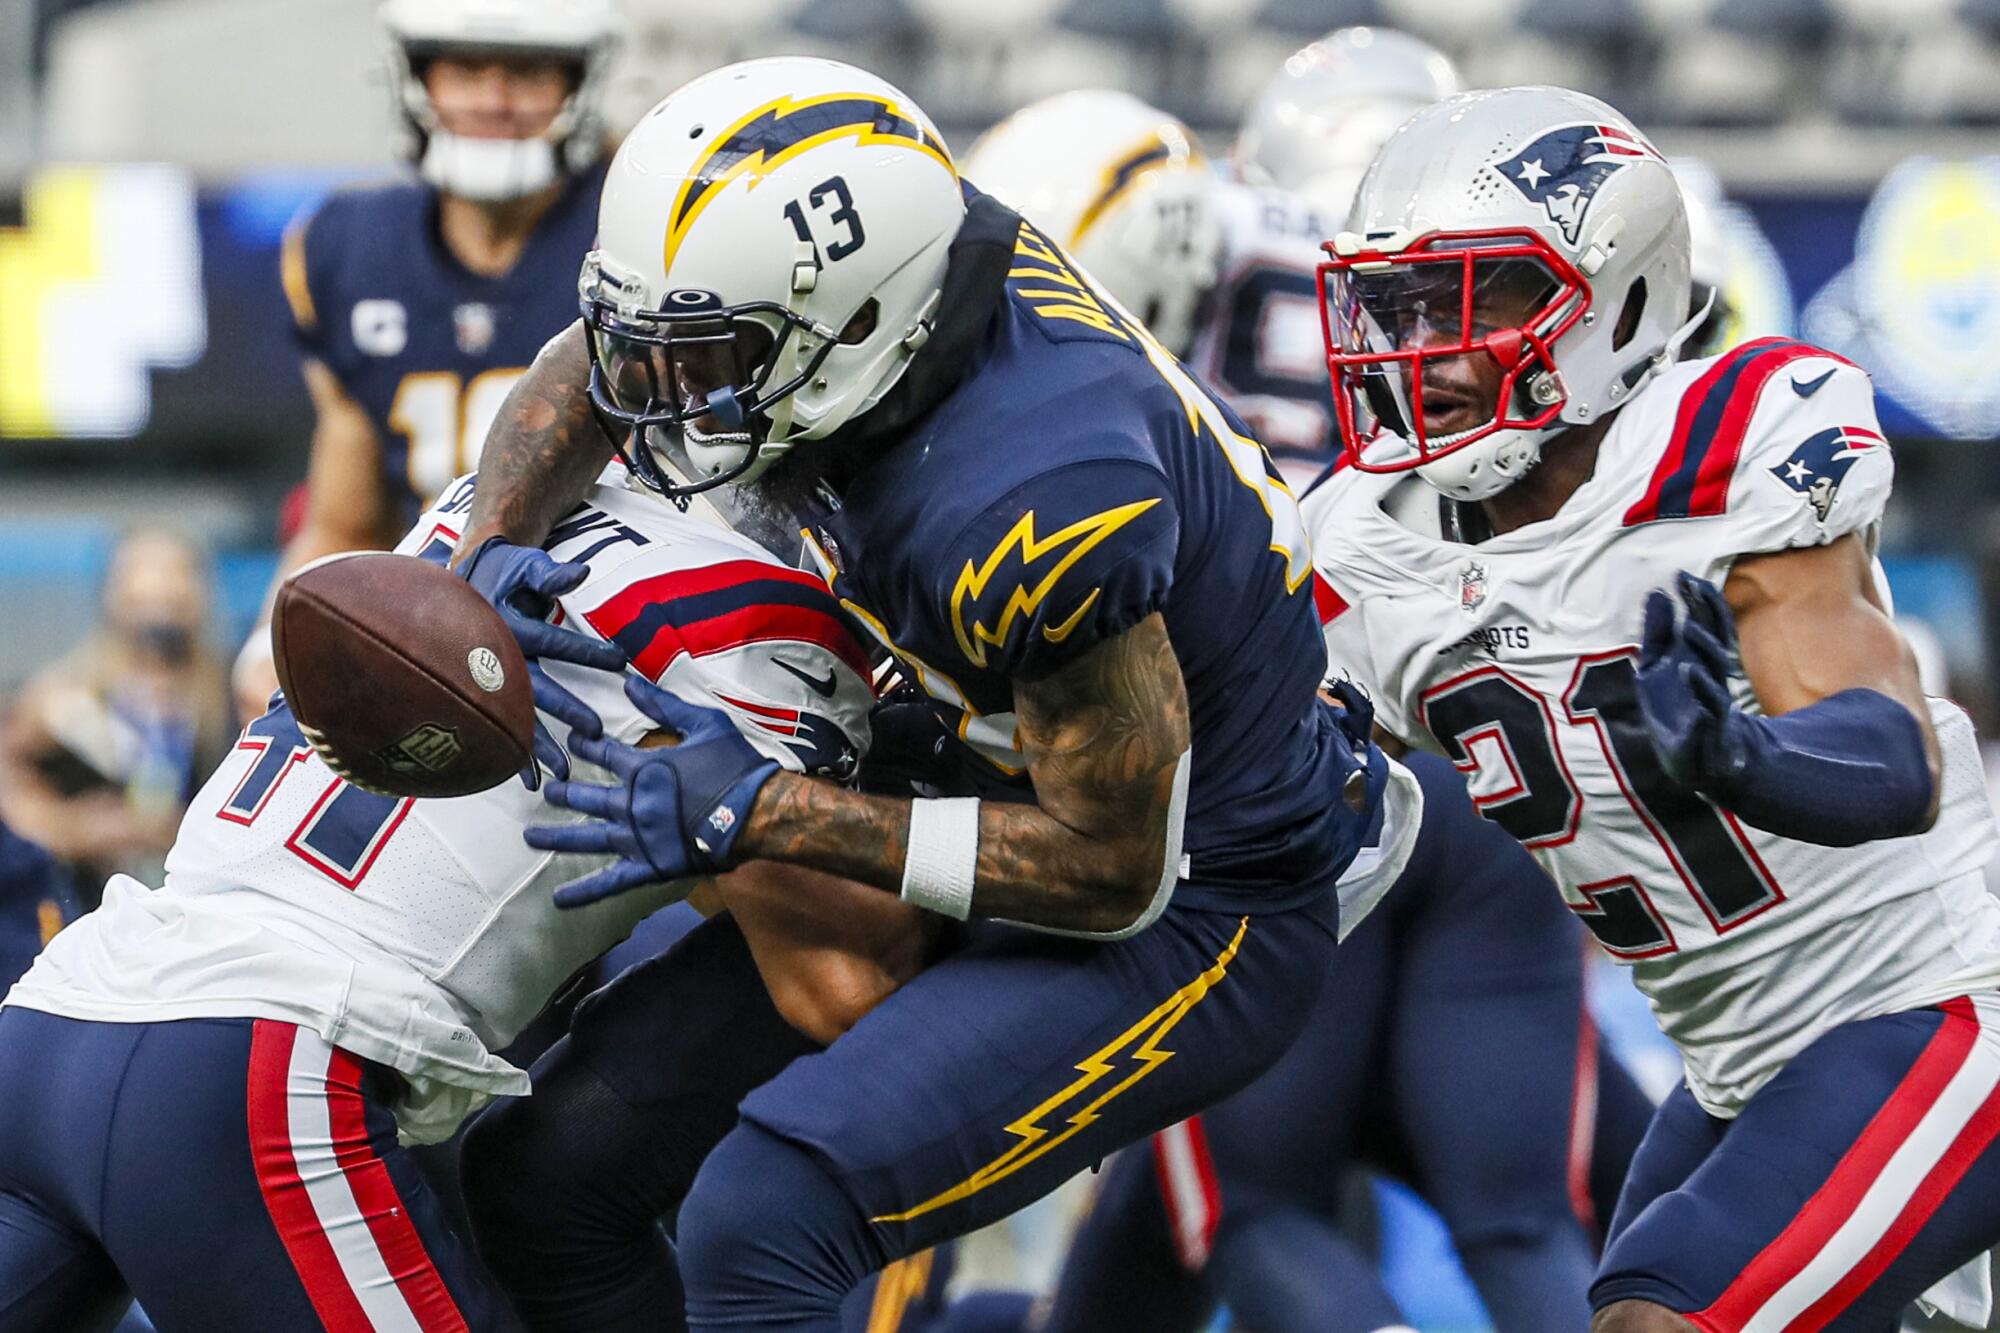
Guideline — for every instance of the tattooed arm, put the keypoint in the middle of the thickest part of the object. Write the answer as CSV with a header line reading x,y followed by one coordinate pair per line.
x,y
1104,737
545,449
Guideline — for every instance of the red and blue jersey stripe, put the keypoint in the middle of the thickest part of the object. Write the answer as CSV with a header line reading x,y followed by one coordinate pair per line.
x,y
722,606
1692,477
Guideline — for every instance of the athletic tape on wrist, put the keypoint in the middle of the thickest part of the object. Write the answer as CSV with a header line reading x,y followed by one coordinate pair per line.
x,y
943,855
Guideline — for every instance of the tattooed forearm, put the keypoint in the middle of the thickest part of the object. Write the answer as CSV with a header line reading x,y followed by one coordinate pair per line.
x,y
1103,738
545,449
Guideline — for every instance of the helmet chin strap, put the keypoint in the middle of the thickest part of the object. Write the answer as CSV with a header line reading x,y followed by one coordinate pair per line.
x,y
489,171
1672,351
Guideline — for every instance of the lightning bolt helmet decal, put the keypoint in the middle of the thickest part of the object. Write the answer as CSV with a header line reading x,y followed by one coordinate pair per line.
x,y
780,130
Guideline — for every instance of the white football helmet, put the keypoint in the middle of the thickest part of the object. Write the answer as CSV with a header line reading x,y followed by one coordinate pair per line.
x,y
1124,188
1542,204
771,250
582,32
1317,124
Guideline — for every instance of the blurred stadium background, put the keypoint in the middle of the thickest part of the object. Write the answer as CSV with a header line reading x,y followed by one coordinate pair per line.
x,y
152,152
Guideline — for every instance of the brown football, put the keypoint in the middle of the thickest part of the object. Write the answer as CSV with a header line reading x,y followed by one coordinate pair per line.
x,y
403,678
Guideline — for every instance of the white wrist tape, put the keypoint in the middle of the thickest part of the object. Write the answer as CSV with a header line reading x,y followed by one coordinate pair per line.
x,y
943,854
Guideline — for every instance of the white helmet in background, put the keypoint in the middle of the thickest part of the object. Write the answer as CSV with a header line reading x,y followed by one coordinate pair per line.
x,y
583,33
1538,201
770,253
1708,258
1124,188
1318,123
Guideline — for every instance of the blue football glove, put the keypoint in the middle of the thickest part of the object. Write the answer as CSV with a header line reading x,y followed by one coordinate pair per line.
x,y
1363,770
523,582
1357,711
677,810
1683,684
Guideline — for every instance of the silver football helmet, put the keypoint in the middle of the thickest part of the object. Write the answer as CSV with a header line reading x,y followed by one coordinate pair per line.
x,y
1524,238
1317,124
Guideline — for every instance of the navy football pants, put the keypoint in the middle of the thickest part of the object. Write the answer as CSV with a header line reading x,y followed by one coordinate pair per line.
x,y
1851,1182
233,1174
1451,1047
977,1088
1005,1068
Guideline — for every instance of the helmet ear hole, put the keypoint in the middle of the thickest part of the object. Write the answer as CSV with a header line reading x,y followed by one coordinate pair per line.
x,y
1628,318
862,324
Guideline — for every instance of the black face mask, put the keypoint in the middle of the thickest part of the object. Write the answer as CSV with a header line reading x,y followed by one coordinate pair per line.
x,y
167,641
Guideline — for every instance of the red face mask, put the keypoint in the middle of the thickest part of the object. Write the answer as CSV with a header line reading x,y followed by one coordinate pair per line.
x,y
1446,341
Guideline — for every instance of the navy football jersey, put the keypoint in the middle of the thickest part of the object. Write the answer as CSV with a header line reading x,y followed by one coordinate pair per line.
x,y
1078,480
428,348
36,900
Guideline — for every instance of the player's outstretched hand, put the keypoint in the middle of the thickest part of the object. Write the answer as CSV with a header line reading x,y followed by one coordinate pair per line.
x,y
1683,686
523,582
676,810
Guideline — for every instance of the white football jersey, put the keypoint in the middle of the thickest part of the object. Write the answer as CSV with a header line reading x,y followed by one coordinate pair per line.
x,y
423,934
1259,344
1515,658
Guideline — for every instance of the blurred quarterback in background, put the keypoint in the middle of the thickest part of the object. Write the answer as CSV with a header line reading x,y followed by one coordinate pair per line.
x,y
418,303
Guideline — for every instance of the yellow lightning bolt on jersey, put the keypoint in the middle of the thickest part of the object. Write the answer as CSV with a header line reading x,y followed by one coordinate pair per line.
x,y
1080,537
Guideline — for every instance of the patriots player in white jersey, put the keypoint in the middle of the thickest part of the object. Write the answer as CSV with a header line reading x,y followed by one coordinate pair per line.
x,y
1650,631
224,1064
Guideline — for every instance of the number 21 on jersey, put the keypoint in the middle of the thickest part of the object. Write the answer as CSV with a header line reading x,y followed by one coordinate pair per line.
x,y
1488,717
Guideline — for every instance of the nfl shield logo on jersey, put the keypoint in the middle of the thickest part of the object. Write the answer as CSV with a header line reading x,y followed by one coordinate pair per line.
x,y
1817,467
1562,169
473,323
1471,587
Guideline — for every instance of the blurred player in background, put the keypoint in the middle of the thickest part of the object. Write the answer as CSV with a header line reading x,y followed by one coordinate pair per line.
x,y
36,900
419,303
1468,960
326,967
1708,268
1651,633
1222,270
101,751
1298,157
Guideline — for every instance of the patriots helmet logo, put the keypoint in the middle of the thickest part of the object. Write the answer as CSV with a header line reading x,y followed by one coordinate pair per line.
x,y
1817,467
1562,169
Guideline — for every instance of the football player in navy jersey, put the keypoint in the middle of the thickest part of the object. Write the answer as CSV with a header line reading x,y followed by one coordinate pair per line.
x,y
418,303
1094,575
36,900
1468,975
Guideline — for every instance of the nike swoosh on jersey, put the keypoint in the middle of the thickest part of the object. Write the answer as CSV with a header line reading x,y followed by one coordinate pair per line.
x,y
1807,388
823,688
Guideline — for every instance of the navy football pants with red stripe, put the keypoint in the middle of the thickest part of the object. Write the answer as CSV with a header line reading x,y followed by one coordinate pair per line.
x,y
1859,1176
233,1174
